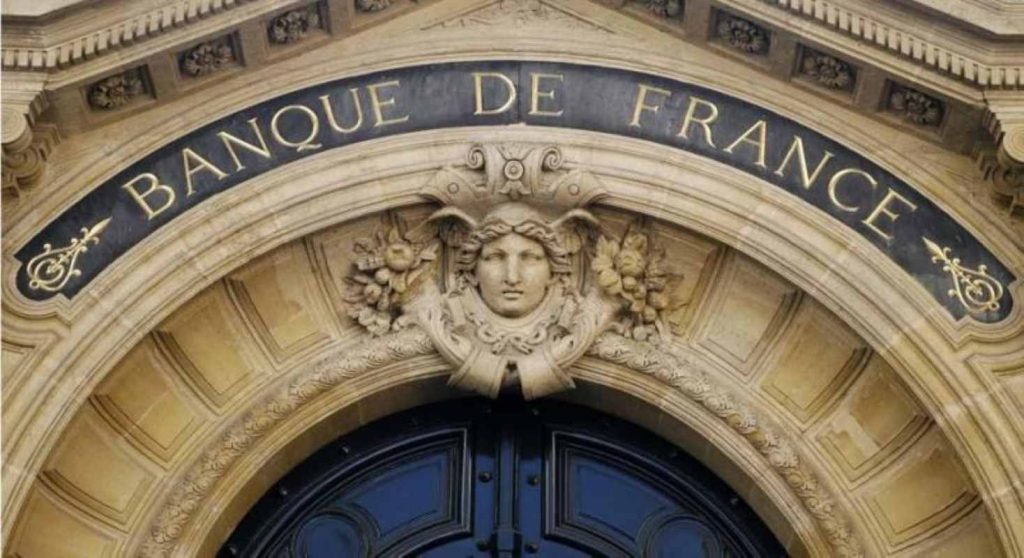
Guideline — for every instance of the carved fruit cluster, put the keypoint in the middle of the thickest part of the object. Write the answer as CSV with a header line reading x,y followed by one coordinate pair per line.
x,y
387,267
632,272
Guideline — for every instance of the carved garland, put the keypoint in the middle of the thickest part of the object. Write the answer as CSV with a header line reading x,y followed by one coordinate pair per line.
x,y
327,373
373,352
676,372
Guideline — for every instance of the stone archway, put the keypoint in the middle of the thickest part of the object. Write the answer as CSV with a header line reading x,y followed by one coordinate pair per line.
x,y
263,366
122,373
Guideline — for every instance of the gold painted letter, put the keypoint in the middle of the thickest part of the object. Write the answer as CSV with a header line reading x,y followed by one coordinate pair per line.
x,y
797,147
193,163
301,145
379,104
231,141
884,208
325,99
761,127
536,94
705,122
833,187
641,102
478,85
154,187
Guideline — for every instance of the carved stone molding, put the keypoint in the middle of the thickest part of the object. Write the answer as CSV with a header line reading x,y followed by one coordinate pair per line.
x,y
899,38
982,65
669,366
113,35
374,352
330,371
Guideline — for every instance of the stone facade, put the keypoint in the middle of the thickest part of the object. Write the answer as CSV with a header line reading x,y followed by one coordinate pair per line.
x,y
863,405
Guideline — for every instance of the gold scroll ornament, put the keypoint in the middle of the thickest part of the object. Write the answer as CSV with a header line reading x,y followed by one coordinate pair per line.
x,y
53,268
976,290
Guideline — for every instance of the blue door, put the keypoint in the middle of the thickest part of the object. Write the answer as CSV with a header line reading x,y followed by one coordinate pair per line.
x,y
476,479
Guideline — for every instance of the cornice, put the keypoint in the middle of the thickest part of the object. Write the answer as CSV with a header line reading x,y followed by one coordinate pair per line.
x,y
999,17
954,48
949,50
82,36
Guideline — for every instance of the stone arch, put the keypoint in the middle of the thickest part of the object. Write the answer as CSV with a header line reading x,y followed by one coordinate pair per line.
x,y
743,220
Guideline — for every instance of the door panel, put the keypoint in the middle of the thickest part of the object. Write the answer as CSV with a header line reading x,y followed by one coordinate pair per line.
x,y
504,479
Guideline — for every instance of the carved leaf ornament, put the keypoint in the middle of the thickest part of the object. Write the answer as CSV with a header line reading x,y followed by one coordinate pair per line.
x,y
514,217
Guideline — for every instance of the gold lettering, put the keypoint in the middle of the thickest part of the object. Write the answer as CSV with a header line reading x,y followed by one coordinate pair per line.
x,y
762,130
705,122
301,145
536,94
230,141
153,188
187,158
641,102
330,113
883,208
478,85
797,147
379,104
833,187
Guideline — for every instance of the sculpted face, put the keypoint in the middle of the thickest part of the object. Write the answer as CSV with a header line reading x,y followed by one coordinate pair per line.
x,y
513,273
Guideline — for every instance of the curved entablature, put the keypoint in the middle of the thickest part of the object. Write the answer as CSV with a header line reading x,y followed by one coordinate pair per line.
x,y
927,243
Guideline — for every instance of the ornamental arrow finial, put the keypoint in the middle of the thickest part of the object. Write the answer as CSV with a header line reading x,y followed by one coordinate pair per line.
x,y
976,290
54,267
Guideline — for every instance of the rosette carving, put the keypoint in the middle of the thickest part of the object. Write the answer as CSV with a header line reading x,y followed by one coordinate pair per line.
x,y
116,91
665,8
372,5
207,58
828,71
293,26
742,35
